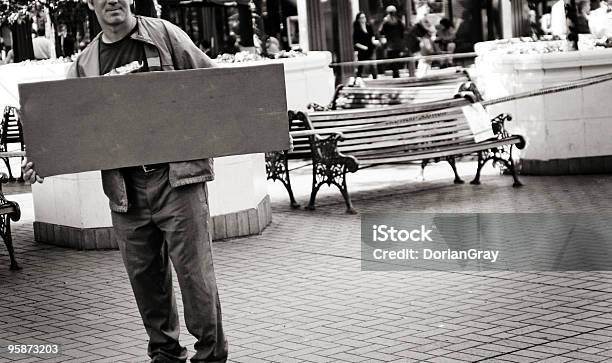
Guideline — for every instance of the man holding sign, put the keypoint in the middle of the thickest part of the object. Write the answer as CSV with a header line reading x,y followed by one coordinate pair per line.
x,y
159,212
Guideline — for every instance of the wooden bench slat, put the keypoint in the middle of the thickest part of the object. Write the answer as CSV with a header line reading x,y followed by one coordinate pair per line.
x,y
401,130
388,111
398,117
399,97
403,149
395,146
432,79
452,151
6,209
375,124
404,84
375,91
406,134
380,102
385,144
388,99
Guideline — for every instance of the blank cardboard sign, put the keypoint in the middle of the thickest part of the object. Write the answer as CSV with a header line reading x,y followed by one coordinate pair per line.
x,y
101,123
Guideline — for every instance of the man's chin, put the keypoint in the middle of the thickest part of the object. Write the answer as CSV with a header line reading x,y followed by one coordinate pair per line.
x,y
115,21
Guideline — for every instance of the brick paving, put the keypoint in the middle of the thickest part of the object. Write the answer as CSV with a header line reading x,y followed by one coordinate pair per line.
x,y
296,293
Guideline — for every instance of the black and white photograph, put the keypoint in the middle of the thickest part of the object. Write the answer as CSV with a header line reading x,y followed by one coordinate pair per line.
x,y
305,181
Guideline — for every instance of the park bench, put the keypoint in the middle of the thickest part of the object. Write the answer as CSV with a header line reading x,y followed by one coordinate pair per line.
x,y
407,90
9,211
344,141
11,132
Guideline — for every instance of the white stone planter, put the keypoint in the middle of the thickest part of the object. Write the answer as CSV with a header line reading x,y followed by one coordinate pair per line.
x,y
567,132
72,210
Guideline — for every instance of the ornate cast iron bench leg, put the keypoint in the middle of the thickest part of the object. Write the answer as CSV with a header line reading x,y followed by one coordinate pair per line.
x,y
324,174
502,155
5,228
10,211
277,168
451,161
330,167
5,233
8,168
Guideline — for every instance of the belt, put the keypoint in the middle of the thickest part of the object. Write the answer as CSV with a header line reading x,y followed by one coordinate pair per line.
x,y
151,167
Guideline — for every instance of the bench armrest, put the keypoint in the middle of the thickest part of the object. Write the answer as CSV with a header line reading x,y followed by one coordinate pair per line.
x,y
305,133
325,152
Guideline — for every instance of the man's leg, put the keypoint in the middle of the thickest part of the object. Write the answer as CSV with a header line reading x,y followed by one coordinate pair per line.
x,y
395,66
148,267
373,68
182,214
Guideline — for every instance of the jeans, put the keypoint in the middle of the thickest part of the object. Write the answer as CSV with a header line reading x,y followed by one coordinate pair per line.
x,y
166,224
366,56
395,66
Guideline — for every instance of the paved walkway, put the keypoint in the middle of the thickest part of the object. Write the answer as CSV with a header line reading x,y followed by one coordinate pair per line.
x,y
297,293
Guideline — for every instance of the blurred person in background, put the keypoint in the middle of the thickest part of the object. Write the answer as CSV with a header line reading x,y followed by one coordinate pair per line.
x,y
445,40
43,47
600,20
426,32
535,30
582,18
64,45
272,47
231,45
204,46
364,43
546,21
392,35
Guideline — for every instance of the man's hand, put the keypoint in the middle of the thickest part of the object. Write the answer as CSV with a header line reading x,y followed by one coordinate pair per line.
x,y
29,173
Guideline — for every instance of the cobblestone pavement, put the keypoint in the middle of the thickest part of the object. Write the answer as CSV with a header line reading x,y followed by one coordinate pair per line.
x,y
297,293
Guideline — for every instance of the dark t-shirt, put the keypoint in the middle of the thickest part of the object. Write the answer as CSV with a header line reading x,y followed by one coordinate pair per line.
x,y
122,53
363,38
394,32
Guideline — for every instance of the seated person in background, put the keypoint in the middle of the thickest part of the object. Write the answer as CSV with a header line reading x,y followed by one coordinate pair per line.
x,y
272,47
445,40
204,46
231,46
